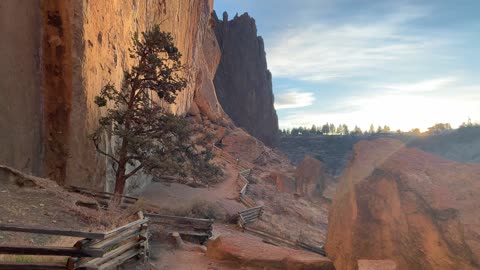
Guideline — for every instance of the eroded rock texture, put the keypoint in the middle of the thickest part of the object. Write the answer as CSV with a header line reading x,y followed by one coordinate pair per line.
x,y
254,254
402,204
309,177
57,55
242,82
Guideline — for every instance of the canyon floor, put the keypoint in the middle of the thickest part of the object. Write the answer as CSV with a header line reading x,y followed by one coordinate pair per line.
x,y
46,204
285,215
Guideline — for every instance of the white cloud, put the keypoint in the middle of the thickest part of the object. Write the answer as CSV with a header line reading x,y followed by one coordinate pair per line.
x,y
430,85
326,52
293,99
399,110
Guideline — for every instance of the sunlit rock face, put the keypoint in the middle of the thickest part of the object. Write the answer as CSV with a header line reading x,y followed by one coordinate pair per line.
x,y
402,204
250,253
242,82
73,49
103,32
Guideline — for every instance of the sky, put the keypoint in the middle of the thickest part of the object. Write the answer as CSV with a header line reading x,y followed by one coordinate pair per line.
x,y
406,64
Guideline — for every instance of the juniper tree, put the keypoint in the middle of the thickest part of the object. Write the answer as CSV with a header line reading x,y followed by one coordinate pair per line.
x,y
147,136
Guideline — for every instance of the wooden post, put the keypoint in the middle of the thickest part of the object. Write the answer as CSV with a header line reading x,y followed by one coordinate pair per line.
x,y
145,236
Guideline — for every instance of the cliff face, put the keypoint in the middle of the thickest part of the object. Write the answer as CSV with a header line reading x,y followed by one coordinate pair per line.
x,y
402,204
20,97
242,82
62,52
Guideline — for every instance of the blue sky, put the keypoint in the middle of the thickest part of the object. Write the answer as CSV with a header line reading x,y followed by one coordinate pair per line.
x,y
405,64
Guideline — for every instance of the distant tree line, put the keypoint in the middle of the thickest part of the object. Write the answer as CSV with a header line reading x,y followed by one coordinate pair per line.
x,y
343,129
332,129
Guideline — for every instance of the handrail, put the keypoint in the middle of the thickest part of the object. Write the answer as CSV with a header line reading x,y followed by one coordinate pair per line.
x,y
153,216
60,232
254,211
95,251
231,159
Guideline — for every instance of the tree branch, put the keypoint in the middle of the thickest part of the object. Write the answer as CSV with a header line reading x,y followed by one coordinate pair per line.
x,y
113,168
103,152
134,171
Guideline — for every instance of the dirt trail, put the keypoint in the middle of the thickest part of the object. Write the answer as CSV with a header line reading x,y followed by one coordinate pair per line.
x,y
173,194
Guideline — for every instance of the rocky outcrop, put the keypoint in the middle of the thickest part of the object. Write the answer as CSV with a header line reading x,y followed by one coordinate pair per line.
x,y
402,204
309,177
243,83
255,254
281,181
59,56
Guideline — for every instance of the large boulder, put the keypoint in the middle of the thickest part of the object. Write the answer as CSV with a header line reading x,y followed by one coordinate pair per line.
x,y
309,177
402,204
281,181
253,253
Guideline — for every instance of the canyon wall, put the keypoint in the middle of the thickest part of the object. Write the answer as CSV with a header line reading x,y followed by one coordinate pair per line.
x,y
59,54
20,98
104,31
403,204
242,82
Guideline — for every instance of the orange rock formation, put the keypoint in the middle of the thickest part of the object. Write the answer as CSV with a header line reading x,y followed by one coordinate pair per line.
x,y
406,205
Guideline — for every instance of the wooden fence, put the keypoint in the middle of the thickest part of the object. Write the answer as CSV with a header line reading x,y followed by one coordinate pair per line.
x,y
254,211
97,250
249,215
104,199
280,241
185,226
242,179
231,159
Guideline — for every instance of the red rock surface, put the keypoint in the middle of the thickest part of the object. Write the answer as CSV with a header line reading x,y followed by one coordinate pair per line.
x,y
417,209
282,182
376,265
250,252
309,177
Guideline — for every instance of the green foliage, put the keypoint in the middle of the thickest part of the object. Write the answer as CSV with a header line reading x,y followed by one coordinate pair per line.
x,y
439,128
198,209
150,138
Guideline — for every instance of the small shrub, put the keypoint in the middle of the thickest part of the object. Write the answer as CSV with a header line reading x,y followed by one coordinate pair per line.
x,y
198,209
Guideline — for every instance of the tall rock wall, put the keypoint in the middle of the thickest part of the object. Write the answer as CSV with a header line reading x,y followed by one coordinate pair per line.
x,y
104,31
20,95
402,204
56,56
242,82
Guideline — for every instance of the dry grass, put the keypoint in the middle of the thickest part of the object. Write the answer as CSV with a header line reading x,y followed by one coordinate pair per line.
x,y
196,209
60,242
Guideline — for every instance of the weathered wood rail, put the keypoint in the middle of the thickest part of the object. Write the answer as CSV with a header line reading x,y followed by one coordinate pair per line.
x,y
185,226
317,249
242,165
103,198
97,250
249,215
254,211
242,179
280,241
